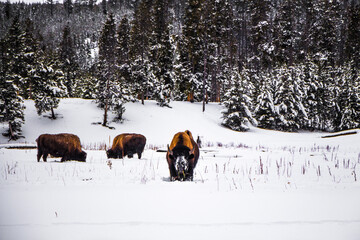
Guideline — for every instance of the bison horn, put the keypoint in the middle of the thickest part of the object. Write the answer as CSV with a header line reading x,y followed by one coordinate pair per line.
x,y
170,152
191,153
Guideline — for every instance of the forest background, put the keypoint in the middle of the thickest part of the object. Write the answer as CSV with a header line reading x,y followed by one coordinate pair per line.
x,y
287,65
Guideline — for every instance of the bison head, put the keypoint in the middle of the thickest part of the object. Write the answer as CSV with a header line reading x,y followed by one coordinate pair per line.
x,y
81,156
181,157
111,154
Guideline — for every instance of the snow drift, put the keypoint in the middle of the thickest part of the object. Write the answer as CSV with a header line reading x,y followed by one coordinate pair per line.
x,y
255,185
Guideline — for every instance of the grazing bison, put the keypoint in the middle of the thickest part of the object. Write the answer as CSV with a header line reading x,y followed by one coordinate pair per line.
x,y
64,145
127,144
182,156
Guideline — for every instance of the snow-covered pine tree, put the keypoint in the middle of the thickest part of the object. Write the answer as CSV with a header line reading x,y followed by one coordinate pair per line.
x,y
218,46
325,95
11,107
261,46
237,114
352,43
67,57
109,92
86,87
310,71
180,71
123,73
288,100
122,51
31,53
48,82
69,6
16,61
141,67
265,112
161,53
347,98
322,37
16,55
284,41
193,45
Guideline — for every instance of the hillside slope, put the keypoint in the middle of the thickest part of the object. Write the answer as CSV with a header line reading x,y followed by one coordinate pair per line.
x,y
158,124
259,185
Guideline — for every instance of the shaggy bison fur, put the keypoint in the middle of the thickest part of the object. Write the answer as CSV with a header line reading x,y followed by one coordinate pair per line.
x,y
182,156
127,144
64,145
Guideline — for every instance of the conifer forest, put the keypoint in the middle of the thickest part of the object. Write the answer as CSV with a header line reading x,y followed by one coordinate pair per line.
x,y
285,65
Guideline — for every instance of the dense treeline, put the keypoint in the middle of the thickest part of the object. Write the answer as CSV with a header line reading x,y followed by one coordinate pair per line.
x,y
285,64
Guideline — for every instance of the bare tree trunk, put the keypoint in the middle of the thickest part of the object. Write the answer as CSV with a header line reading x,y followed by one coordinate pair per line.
x,y
204,76
11,136
105,114
53,113
106,103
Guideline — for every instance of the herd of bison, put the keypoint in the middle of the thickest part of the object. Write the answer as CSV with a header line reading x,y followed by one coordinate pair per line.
x,y
182,153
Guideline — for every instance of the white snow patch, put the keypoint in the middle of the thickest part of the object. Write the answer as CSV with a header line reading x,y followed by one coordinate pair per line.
x,y
256,185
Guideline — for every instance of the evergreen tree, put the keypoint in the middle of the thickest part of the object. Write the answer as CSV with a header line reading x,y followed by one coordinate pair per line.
x,y
7,9
104,7
68,6
288,100
218,24
347,99
14,54
352,43
324,95
11,104
323,40
67,57
48,85
179,69
237,114
265,111
108,89
193,54
284,35
261,45
123,42
11,107
123,55
311,86
30,54
161,53
141,67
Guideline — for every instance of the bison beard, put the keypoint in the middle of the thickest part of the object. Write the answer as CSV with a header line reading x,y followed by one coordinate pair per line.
x,y
182,156
64,145
127,144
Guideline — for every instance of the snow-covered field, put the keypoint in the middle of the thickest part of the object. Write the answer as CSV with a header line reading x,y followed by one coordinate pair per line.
x,y
255,185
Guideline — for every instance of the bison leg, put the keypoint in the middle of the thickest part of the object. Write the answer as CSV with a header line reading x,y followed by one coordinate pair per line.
x,y
45,154
64,158
39,155
139,155
173,175
190,175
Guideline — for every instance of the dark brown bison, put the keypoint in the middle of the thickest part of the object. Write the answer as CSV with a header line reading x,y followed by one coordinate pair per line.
x,y
127,144
182,156
64,145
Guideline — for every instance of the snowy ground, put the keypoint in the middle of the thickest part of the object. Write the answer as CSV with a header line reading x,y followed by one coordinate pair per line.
x,y
255,185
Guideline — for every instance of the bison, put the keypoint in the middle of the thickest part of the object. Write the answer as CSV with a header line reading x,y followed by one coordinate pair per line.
x,y
127,144
182,156
64,145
